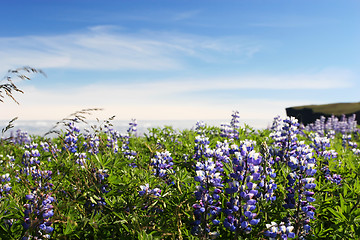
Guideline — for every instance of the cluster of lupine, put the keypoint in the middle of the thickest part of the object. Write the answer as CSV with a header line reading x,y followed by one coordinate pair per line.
x,y
132,129
348,143
333,177
81,159
284,133
101,176
323,125
71,136
250,180
300,186
321,145
45,146
299,158
5,185
31,156
236,183
37,214
146,191
231,130
284,230
162,164
222,152
200,127
38,206
243,188
267,180
50,148
208,175
112,138
149,197
20,137
92,143
6,164
131,132
208,207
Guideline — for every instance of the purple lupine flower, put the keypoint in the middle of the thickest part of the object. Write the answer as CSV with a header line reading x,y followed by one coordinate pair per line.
x,y
162,164
146,191
21,137
101,177
5,177
302,184
38,207
321,145
45,146
71,136
112,138
231,130
272,230
344,126
243,188
283,230
149,198
29,197
222,152
284,132
200,127
132,129
302,164
208,176
5,185
92,143
37,214
226,130
81,159
267,182
113,141
31,155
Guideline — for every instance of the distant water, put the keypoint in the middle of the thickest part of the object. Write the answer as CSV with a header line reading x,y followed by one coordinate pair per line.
x,y
34,127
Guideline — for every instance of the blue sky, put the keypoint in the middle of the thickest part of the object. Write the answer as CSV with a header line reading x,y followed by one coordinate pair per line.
x,y
180,59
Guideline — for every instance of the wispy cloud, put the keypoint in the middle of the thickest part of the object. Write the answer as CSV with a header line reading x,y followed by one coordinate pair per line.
x,y
166,99
185,15
40,105
291,21
104,48
320,80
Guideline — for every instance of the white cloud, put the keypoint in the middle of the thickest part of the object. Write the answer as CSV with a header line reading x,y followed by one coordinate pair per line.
x,y
38,106
185,15
324,79
292,21
107,48
165,100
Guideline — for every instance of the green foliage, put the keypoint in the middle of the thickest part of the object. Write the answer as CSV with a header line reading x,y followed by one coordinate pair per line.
x,y
126,214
